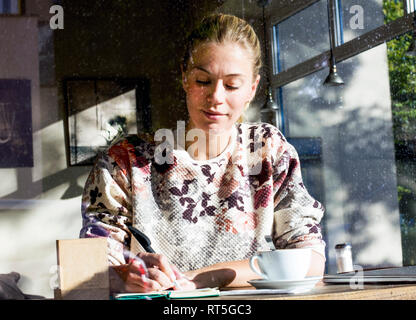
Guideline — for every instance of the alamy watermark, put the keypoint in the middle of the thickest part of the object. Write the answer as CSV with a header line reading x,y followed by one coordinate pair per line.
x,y
54,278
357,280
357,20
164,151
57,20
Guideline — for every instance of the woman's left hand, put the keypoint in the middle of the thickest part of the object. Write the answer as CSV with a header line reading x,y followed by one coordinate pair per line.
x,y
182,281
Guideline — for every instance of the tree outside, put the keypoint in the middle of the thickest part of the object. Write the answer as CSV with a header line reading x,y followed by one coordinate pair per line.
x,y
402,71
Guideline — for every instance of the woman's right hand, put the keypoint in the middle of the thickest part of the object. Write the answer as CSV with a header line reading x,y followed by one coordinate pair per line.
x,y
161,275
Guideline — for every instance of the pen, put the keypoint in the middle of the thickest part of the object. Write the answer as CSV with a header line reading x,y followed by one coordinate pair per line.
x,y
146,244
142,238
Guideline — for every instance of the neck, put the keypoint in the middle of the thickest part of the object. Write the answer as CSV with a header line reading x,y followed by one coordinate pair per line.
x,y
207,145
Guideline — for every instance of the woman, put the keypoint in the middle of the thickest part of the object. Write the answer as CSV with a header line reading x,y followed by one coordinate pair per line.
x,y
207,203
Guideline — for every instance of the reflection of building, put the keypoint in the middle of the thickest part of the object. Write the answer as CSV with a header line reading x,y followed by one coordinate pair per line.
x,y
353,122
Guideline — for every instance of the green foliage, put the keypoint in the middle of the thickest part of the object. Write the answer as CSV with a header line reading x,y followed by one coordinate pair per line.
x,y
392,10
403,191
402,70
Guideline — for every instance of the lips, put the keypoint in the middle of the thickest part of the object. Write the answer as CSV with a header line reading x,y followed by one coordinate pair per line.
x,y
213,115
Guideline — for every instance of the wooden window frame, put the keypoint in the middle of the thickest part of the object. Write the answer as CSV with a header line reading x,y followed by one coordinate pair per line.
x,y
342,52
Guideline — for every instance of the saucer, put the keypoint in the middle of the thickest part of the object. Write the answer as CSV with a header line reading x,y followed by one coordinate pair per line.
x,y
302,285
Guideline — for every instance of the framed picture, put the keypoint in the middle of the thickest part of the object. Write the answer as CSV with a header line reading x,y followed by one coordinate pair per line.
x,y
100,110
16,141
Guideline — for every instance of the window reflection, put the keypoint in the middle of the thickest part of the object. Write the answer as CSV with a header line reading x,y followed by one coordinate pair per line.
x,y
10,6
357,163
357,143
295,45
362,16
402,72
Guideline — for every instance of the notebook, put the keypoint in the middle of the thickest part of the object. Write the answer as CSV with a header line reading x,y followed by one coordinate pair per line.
x,y
169,294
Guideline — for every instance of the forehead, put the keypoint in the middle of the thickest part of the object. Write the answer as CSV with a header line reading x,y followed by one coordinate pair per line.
x,y
222,59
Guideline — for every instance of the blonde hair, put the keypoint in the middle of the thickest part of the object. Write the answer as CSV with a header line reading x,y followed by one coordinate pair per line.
x,y
222,28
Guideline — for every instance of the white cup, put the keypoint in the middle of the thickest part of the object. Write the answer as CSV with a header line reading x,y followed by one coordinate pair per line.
x,y
286,264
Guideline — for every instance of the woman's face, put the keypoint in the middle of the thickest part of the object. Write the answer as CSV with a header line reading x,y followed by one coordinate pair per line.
x,y
218,84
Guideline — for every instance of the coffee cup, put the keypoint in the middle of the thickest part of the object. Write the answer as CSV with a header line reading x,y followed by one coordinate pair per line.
x,y
285,264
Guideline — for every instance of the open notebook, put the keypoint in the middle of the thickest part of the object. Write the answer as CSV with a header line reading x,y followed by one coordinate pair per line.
x,y
169,294
203,293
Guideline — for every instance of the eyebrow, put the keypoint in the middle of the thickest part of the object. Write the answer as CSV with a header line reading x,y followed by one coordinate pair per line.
x,y
228,75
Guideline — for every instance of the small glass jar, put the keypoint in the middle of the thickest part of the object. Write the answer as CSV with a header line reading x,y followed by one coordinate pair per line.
x,y
343,254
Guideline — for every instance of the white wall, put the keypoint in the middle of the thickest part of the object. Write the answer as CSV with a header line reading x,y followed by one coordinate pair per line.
x,y
33,213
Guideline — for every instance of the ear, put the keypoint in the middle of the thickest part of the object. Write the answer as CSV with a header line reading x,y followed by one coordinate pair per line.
x,y
254,87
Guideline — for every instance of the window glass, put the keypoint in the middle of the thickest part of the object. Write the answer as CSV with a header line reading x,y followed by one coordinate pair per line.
x,y
402,71
358,17
301,37
9,6
357,164
410,5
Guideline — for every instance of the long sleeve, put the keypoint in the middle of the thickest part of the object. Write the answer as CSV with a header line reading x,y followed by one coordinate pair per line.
x,y
106,203
296,214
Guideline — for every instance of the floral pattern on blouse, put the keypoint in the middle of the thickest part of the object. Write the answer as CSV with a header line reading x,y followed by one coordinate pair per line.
x,y
199,213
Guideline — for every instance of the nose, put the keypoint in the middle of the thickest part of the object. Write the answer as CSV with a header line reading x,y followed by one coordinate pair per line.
x,y
217,94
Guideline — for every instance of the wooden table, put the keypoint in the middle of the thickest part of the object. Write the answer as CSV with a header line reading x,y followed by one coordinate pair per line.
x,y
323,291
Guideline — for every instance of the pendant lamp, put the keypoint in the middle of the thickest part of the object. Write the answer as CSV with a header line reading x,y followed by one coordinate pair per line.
x,y
270,110
333,79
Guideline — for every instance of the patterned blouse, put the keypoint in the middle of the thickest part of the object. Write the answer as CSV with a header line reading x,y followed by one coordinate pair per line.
x,y
201,212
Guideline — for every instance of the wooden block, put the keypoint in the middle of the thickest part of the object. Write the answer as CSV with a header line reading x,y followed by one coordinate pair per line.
x,y
83,269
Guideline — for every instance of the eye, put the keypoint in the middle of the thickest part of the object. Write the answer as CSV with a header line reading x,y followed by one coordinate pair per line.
x,y
229,87
203,82
208,82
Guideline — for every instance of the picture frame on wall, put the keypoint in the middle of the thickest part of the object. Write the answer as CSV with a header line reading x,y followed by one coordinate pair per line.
x,y
98,110
16,139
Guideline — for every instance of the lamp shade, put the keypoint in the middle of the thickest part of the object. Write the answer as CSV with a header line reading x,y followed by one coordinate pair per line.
x,y
333,79
270,111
